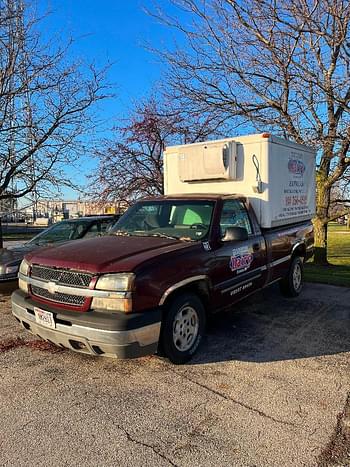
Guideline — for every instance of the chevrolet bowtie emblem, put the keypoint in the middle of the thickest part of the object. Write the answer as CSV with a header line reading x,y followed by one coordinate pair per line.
x,y
52,287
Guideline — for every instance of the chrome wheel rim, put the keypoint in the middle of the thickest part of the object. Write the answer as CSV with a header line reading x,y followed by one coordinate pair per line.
x,y
297,277
185,328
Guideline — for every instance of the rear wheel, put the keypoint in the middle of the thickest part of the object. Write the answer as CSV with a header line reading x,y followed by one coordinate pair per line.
x,y
182,328
292,284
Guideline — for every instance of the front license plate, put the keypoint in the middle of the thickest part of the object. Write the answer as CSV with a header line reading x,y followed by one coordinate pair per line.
x,y
45,318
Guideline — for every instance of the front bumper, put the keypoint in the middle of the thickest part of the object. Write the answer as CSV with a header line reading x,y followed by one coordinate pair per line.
x,y
110,335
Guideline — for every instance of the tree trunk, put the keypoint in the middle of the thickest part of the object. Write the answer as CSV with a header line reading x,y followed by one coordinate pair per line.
x,y
1,242
320,249
323,196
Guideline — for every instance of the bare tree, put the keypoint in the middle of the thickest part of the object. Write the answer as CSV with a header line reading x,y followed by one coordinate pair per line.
x,y
45,104
340,201
280,66
131,161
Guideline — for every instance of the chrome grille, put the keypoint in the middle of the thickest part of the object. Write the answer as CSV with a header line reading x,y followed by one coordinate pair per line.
x,y
58,297
61,276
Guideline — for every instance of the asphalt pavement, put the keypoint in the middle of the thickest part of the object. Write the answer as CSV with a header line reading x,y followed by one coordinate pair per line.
x,y
269,387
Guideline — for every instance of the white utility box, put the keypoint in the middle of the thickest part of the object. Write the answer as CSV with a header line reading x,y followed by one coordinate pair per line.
x,y
276,175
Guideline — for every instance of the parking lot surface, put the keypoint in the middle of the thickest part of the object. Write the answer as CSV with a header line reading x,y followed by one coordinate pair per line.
x,y
269,387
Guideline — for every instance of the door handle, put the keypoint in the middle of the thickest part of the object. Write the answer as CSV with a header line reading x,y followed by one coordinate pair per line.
x,y
256,246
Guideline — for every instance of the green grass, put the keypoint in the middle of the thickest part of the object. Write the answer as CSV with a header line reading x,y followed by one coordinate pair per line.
x,y
338,271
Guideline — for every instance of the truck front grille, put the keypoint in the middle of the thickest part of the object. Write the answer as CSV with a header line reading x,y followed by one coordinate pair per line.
x,y
61,276
58,297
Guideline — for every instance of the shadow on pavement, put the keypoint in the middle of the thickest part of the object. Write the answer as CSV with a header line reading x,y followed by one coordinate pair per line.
x,y
6,288
268,327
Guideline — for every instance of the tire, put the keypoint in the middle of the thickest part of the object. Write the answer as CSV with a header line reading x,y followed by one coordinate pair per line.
x,y
183,328
292,284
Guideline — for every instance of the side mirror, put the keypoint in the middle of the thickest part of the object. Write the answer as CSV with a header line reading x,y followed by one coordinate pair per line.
x,y
239,234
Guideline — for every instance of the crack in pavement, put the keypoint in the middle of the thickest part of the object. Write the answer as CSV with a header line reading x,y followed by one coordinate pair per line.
x,y
24,426
130,438
231,399
141,443
337,451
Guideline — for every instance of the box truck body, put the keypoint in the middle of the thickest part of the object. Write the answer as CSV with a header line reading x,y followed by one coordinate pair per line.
x,y
276,175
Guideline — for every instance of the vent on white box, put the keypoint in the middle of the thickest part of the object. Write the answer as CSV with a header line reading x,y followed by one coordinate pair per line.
x,y
216,161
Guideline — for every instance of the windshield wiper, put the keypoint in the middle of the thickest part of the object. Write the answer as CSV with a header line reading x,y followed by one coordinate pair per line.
x,y
120,233
123,233
163,236
186,239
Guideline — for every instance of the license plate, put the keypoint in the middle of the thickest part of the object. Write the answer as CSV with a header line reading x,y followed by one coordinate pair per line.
x,y
45,318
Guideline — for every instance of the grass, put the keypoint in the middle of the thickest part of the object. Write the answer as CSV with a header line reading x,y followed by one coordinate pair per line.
x,y
338,271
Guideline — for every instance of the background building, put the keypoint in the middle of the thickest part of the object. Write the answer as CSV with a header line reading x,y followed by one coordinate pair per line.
x,y
56,209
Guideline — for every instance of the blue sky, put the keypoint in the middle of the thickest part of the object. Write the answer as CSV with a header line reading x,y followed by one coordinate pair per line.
x,y
111,31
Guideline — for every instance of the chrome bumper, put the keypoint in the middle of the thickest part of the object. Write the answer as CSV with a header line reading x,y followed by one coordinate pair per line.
x,y
99,342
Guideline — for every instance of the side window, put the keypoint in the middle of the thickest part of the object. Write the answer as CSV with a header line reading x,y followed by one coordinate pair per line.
x,y
234,214
92,231
106,225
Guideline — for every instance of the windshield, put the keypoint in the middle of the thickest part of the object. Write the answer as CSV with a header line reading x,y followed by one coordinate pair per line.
x,y
184,220
60,232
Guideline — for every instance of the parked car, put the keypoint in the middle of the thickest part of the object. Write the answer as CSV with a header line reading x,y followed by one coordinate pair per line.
x,y
72,229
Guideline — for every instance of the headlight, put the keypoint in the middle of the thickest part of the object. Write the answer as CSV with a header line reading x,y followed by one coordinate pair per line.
x,y
12,269
24,267
121,284
116,282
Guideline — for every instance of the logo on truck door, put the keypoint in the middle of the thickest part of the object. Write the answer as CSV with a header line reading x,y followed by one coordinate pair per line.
x,y
240,259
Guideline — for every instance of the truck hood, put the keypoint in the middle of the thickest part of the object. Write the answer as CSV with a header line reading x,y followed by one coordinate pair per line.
x,y
105,254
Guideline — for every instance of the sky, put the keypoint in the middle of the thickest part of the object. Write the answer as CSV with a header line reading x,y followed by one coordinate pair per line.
x,y
116,32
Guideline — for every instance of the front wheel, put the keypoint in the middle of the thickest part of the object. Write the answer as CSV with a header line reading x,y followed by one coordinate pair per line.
x,y
292,284
183,328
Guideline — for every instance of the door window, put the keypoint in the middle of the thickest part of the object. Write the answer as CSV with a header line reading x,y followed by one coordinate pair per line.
x,y
234,214
93,231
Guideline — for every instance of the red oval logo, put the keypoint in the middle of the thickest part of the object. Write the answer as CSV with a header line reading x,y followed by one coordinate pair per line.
x,y
296,166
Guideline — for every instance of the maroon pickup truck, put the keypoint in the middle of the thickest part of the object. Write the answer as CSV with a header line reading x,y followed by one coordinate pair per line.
x,y
150,285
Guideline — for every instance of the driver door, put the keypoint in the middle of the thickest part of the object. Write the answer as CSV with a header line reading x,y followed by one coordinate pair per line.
x,y
240,265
